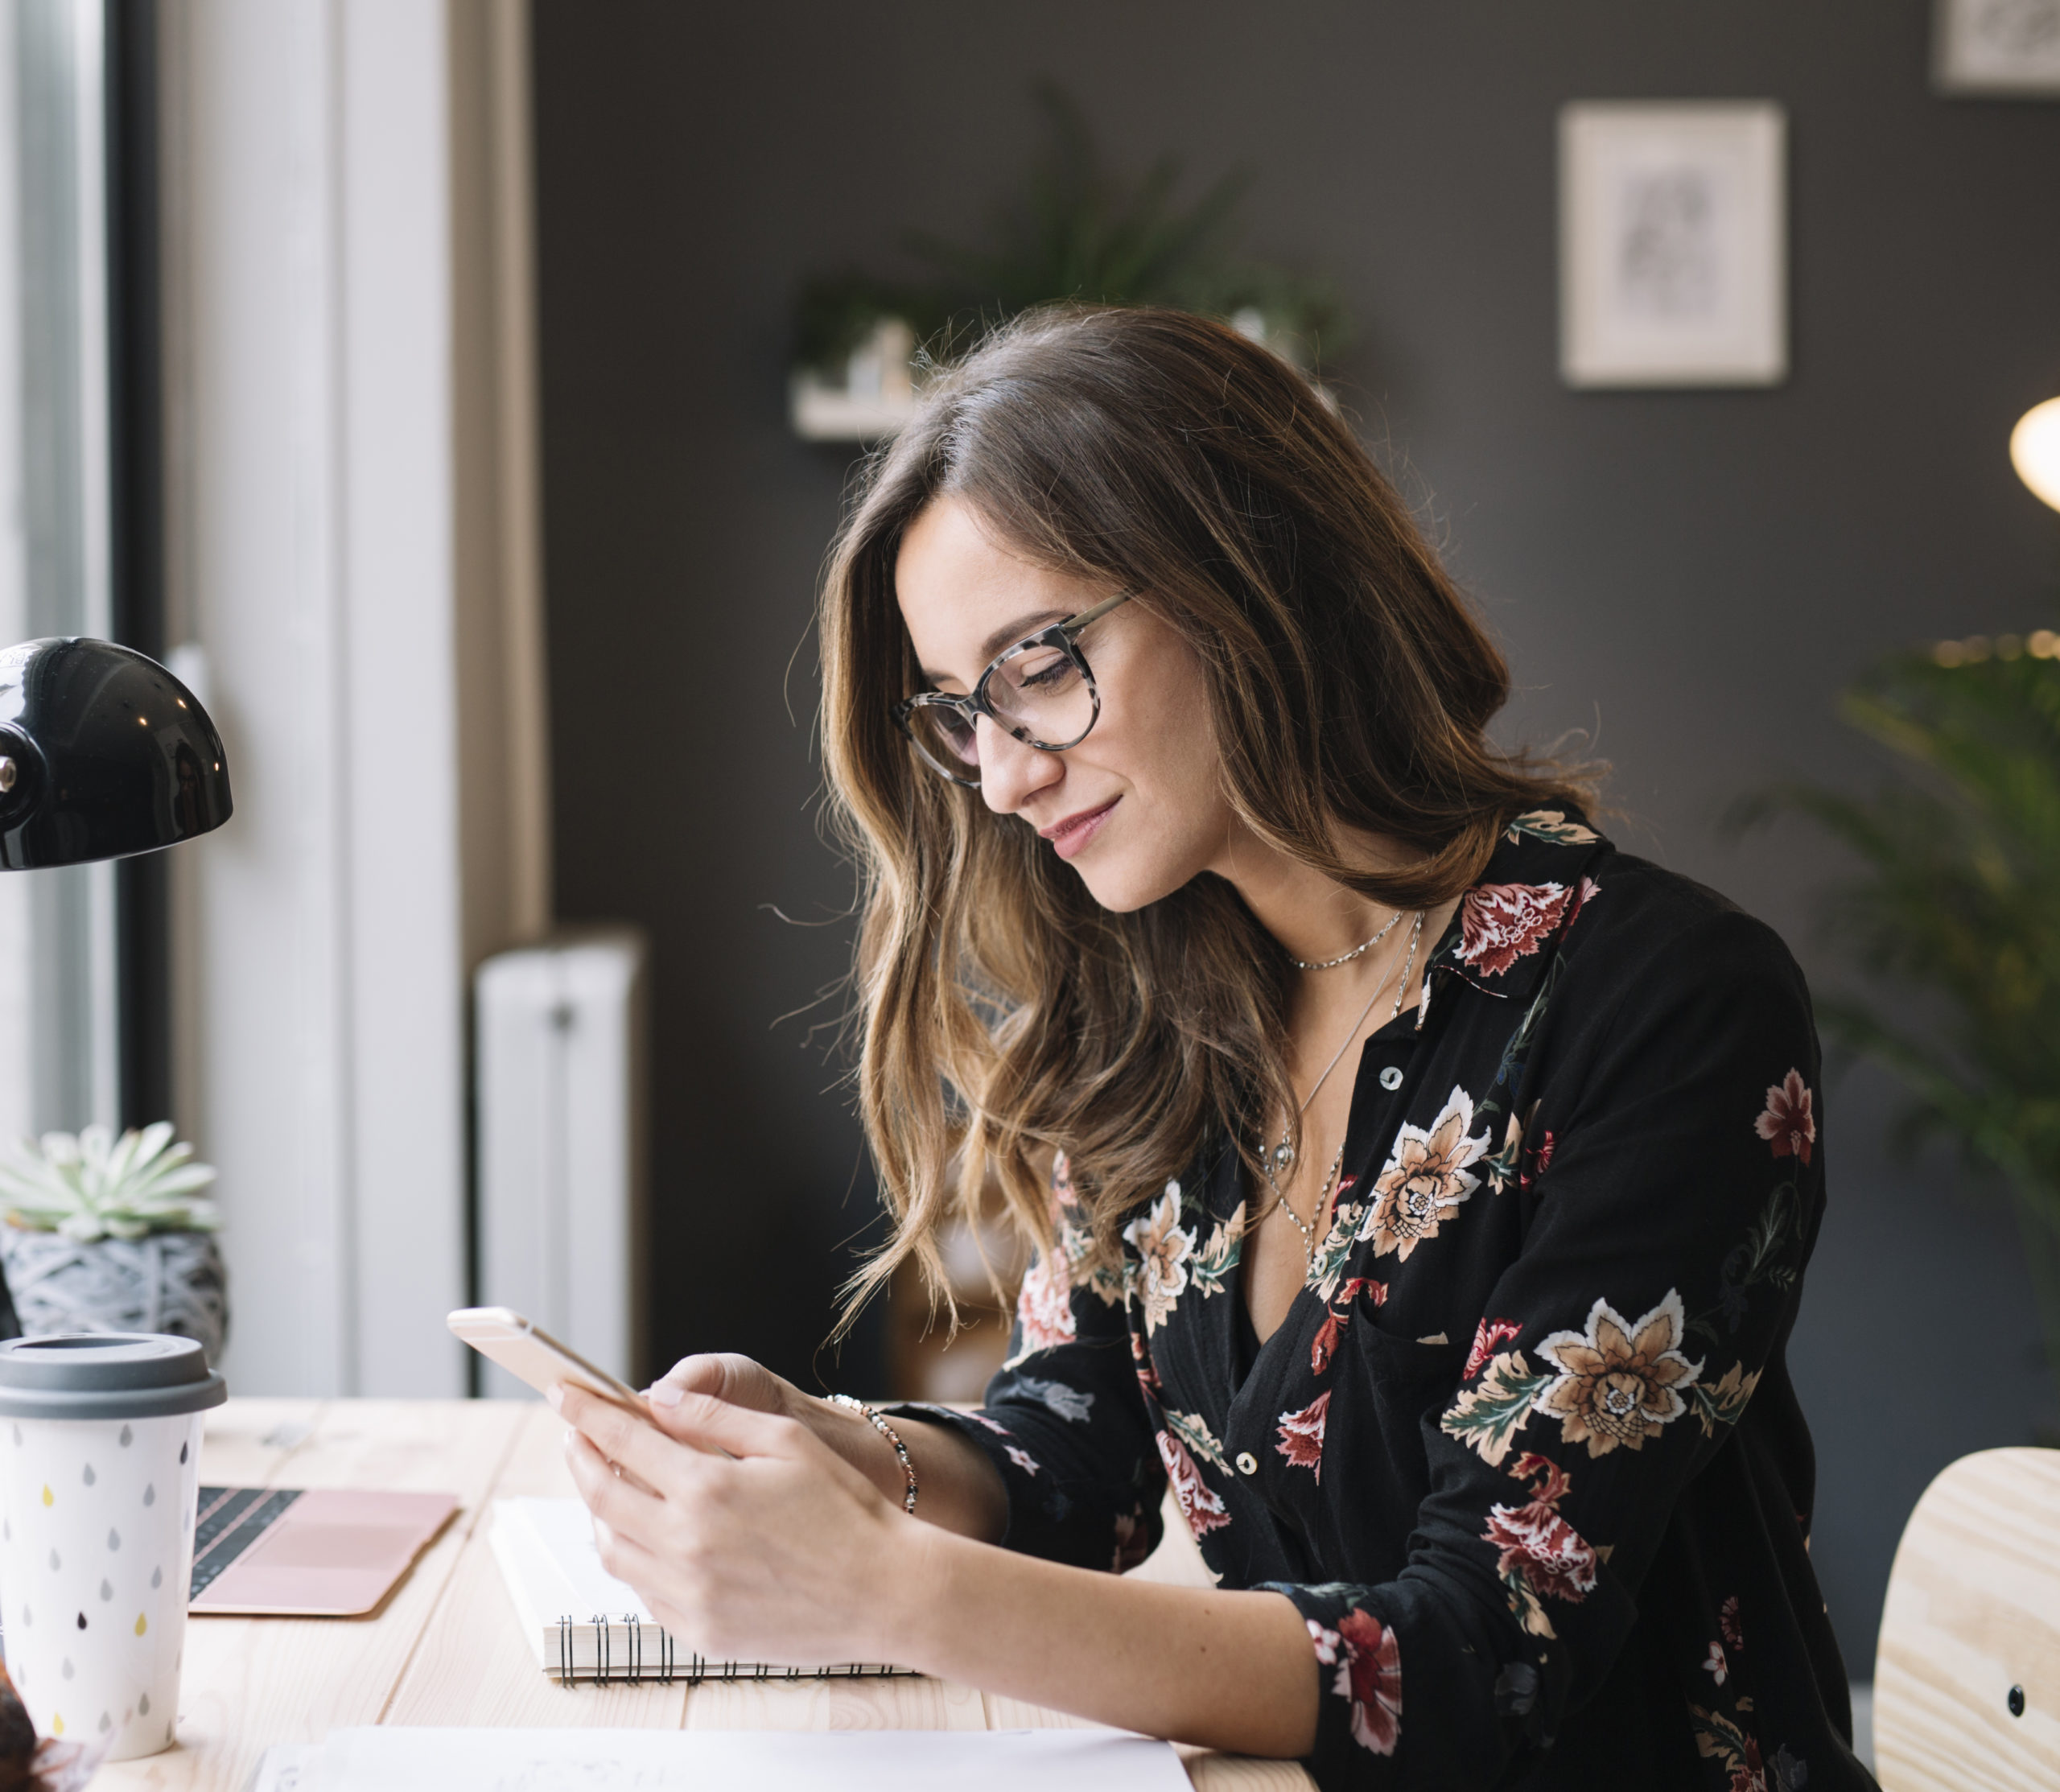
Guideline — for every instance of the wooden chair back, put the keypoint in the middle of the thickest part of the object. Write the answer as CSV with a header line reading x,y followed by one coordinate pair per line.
x,y
1966,1677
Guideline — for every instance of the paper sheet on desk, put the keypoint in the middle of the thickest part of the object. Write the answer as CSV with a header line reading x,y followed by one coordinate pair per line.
x,y
394,1758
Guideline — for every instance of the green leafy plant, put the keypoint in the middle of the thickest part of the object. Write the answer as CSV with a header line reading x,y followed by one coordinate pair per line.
x,y
1958,900
96,1186
1076,230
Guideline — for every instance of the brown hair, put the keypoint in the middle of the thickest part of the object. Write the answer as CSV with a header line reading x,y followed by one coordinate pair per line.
x,y
1004,1014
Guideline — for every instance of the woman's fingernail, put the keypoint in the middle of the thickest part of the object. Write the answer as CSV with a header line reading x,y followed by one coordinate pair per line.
x,y
555,1393
666,1395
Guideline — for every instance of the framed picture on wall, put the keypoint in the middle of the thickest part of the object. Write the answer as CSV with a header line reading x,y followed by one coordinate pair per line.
x,y
1673,244
1999,47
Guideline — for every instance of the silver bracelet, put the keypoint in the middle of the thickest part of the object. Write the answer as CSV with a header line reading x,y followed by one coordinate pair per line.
x,y
892,1436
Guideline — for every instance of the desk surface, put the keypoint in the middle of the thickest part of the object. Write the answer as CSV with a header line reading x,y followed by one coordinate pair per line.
x,y
447,1649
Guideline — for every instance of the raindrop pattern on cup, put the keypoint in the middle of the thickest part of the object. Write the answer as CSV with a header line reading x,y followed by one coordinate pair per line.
x,y
83,1530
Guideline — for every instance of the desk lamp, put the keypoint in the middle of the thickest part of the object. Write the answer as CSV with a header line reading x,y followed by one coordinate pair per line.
x,y
103,753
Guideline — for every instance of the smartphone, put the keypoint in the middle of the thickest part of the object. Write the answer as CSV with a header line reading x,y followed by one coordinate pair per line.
x,y
531,1354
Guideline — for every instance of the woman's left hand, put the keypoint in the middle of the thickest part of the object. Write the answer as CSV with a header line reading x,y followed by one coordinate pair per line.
x,y
778,1552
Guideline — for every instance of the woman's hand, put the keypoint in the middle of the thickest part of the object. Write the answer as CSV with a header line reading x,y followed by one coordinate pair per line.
x,y
778,1552
782,1551
960,1489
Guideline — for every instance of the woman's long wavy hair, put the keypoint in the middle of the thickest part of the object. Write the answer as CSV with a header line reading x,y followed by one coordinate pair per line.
x,y
1004,1015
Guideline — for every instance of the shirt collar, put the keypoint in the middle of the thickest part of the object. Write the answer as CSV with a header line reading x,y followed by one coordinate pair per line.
x,y
1499,938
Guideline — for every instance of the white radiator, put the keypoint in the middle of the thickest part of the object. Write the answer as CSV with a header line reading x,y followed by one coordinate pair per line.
x,y
564,1202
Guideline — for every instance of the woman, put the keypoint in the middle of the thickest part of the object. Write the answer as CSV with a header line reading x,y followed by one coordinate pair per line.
x,y
1420,1184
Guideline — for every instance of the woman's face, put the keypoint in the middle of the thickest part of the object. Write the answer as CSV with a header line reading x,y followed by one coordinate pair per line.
x,y
1137,808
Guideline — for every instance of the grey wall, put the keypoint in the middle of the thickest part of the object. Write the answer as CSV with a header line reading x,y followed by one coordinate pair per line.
x,y
1695,573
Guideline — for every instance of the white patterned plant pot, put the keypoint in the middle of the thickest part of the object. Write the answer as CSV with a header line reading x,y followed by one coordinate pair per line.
x,y
169,1282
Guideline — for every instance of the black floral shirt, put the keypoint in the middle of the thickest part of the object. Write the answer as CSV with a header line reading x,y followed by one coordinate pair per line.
x,y
1524,1452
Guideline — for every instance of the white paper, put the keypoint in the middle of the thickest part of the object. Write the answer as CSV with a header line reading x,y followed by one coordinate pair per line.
x,y
393,1758
566,1531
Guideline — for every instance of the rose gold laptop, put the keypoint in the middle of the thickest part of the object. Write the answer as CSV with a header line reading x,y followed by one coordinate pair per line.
x,y
320,1552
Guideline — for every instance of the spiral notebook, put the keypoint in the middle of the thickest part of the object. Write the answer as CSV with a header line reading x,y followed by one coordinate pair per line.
x,y
586,1624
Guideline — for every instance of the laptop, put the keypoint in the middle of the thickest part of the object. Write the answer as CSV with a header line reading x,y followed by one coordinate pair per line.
x,y
313,1552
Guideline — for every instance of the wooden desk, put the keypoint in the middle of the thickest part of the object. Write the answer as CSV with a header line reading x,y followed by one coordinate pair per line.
x,y
447,1649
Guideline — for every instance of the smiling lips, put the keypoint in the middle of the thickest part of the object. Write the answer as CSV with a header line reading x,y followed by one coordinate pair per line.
x,y
1068,836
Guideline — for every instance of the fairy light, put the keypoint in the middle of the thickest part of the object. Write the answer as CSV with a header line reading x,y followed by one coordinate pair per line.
x,y
2041,643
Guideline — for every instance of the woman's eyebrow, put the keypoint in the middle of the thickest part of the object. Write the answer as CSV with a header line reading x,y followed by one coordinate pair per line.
x,y
1006,637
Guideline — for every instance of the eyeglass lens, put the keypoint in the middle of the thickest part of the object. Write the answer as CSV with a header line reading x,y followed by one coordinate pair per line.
x,y
1038,692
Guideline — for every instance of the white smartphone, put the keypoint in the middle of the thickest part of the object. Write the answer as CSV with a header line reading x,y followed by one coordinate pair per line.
x,y
531,1354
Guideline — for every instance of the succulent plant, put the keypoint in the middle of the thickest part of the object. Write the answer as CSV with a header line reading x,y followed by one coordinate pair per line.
x,y
96,1186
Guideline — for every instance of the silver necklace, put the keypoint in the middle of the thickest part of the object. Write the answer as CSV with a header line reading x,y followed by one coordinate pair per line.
x,y
1283,1155
1346,957
1301,1225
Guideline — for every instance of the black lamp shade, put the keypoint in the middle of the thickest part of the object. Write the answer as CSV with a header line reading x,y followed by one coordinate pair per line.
x,y
111,755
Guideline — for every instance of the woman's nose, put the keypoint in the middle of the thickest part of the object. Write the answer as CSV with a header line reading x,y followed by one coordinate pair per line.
x,y
1012,772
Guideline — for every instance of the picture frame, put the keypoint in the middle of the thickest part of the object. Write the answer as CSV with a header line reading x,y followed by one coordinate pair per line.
x,y
1997,49
1673,244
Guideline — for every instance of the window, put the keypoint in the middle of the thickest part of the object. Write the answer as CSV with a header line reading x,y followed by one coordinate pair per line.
x,y
59,975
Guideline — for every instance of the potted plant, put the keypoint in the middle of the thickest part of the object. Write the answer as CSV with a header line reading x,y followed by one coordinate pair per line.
x,y
1957,898
1073,230
108,1235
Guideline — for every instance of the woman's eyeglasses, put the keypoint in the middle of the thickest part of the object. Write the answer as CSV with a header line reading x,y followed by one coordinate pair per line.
x,y
1040,691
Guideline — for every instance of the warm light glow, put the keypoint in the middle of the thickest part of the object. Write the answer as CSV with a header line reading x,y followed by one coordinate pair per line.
x,y
2035,450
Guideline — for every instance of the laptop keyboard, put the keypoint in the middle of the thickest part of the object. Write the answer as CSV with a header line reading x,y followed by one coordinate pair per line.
x,y
230,1521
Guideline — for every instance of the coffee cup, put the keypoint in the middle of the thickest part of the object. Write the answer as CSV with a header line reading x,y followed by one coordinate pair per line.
x,y
99,1477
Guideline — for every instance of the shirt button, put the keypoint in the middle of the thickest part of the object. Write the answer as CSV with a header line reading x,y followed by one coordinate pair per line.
x,y
1247,1463
1391,1077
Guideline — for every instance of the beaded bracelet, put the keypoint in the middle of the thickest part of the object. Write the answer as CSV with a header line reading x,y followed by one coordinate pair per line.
x,y
892,1436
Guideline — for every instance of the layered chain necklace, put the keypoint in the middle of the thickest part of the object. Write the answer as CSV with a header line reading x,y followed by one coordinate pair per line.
x,y
1281,1160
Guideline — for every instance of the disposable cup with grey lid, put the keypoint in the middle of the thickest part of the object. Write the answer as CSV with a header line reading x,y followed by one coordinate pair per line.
x,y
99,1475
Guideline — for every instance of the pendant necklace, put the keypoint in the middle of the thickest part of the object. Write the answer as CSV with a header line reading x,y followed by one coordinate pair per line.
x,y
1283,1153
1281,1158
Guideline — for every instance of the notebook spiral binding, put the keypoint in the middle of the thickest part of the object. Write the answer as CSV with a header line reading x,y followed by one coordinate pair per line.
x,y
634,1669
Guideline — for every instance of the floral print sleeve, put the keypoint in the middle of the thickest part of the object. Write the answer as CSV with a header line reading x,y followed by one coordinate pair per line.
x,y
1619,1351
1064,1421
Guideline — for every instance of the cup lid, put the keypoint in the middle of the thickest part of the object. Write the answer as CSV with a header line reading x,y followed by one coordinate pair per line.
x,y
106,1375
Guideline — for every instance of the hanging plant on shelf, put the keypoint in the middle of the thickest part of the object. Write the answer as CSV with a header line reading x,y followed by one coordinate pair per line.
x,y
108,1234
1076,231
